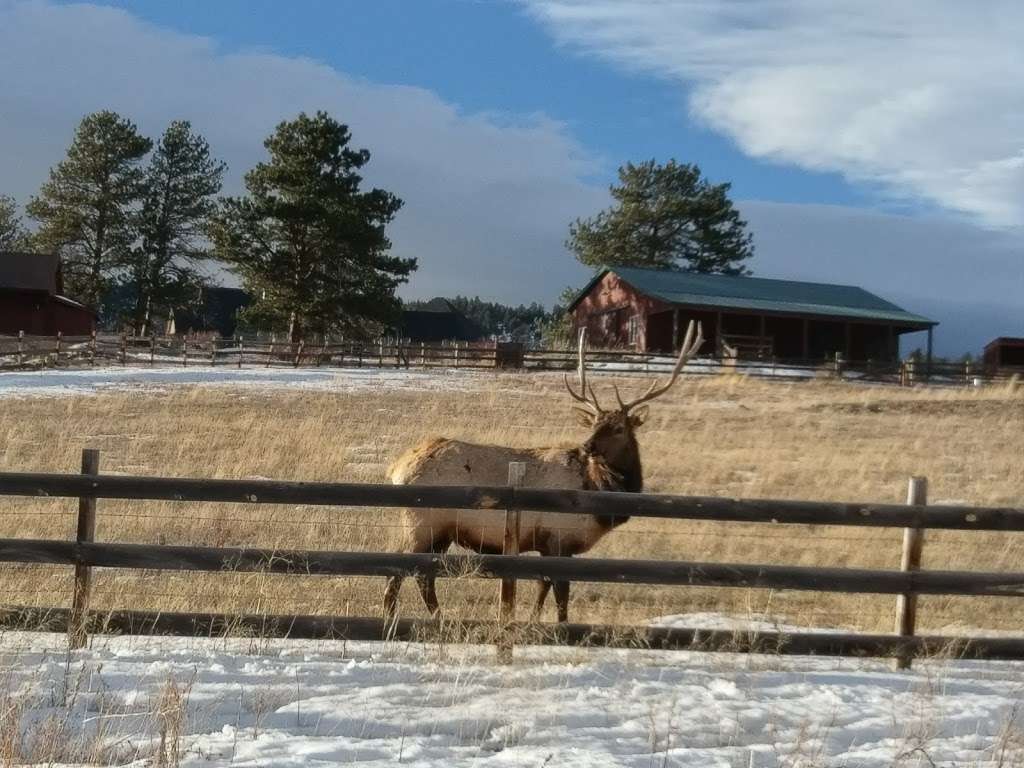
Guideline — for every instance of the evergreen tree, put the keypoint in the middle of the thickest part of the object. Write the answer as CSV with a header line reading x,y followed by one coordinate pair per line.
x,y
307,243
88,209
180,183
13,236
665,216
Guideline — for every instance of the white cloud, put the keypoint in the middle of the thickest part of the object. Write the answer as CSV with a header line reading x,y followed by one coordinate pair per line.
x,y
921,97
488,197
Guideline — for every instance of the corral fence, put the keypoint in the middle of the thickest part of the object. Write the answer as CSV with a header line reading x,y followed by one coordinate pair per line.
x,y
24,351
84,553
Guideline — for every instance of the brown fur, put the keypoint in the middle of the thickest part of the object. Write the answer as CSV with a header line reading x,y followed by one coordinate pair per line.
x,y
609,461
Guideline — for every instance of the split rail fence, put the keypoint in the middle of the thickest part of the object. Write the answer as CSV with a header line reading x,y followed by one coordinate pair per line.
x,y
24,351
84,554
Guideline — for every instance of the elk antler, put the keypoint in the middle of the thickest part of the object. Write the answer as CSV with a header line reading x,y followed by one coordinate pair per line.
x,y
590,403
690,347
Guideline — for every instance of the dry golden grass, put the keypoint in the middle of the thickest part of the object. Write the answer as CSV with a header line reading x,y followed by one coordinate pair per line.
x,y
719,436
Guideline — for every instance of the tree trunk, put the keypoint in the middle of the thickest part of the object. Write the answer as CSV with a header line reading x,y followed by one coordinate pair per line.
x,y
295,328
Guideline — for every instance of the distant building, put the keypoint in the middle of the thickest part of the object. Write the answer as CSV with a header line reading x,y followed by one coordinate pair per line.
x,y
31,300
1004,352
648,310
216,312
437,320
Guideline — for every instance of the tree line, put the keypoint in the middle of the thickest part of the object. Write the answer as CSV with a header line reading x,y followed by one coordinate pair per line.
x,y
134,222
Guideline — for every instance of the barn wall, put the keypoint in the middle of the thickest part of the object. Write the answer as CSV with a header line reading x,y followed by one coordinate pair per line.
x,y
40,315
606,312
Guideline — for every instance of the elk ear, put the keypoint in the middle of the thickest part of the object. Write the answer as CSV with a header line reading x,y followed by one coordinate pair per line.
x,y
584,417
638,417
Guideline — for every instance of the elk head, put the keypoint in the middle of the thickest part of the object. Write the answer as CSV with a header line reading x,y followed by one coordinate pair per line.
x,y
612,436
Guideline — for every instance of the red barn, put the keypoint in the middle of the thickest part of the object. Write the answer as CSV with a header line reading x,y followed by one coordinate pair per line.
x,y
648,310
31,300
1005,353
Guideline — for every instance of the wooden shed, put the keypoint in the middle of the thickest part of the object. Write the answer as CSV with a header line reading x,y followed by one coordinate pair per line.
x,y
1004,353
437,320
31,299
648,310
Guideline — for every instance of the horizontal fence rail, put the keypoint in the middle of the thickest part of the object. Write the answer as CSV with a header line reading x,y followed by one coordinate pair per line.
x,y
672,573
42,351
305,627
607,504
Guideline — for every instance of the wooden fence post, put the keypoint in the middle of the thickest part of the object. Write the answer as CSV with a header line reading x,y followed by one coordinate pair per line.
x,y
456,354
423,354
78,621
124,349
92,347
380,354
510,546
913,543
57,350
184,352
238,340
21,347
152,349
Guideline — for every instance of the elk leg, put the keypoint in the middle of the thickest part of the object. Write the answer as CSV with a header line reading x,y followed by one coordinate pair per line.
x,y
543,587
419,544
562,600
391,596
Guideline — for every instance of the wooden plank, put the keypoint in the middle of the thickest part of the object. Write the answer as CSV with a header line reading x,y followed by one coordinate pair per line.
x,y
86,531
913,544
510,547
587,635
604,503
322,563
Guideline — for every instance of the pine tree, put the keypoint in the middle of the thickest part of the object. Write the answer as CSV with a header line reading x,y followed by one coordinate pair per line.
x,y
13,236
665,216
180,183
308,245
88,209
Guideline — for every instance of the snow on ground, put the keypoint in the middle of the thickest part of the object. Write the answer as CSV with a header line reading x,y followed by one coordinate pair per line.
x,y
95,380
284,703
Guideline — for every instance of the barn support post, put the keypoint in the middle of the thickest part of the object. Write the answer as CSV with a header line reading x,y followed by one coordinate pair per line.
x,y
928,363
86,532
913,544
21,347
510,546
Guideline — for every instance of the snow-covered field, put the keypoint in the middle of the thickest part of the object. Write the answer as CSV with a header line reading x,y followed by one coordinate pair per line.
x,y
93,380
283,703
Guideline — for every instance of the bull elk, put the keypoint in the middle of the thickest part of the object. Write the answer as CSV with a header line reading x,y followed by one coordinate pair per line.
x,y
608,460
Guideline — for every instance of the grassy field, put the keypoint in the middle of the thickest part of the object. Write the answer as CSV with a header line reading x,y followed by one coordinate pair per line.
x,y
723,436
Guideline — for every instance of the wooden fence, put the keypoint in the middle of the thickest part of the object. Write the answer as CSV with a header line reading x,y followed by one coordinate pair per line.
x,y
53,351
84,554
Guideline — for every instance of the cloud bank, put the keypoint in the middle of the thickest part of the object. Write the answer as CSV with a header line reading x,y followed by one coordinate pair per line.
x,y
919,97
488,197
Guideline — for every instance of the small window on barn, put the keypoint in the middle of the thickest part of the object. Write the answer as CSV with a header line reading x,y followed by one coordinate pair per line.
x,y
634,329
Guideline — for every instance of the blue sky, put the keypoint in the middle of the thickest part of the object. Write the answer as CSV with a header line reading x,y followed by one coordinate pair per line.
x,y
868,142
491,56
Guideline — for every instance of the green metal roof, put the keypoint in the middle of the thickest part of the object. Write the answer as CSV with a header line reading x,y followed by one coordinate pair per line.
x,y
760,294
